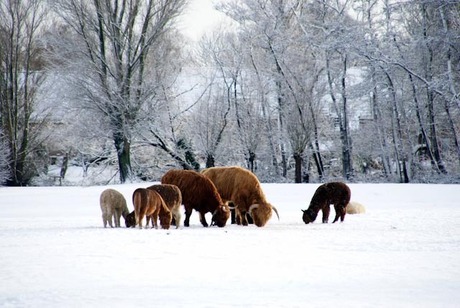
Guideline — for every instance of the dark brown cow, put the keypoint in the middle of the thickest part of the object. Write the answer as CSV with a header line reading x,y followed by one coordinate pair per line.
x,y
173,198
243,188
200,194
336,193
149,203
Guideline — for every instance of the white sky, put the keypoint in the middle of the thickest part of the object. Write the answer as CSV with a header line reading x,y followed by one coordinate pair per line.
x,y
199,17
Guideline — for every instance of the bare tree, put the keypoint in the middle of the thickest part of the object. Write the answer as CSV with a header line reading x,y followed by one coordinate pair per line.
x,y
448,16
109,53
262,25
20,76
212,118
339,31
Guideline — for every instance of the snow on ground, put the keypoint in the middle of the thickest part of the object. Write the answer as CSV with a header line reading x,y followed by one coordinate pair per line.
x,y
404,252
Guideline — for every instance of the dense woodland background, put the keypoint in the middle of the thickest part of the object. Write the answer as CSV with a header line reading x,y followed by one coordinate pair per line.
x,y
297,91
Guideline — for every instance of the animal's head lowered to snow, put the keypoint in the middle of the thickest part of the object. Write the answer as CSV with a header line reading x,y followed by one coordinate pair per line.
x,y
308,216
130,220
165,218
221,215
261,213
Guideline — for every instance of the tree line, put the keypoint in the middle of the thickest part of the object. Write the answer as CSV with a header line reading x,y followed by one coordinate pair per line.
x,y
363,90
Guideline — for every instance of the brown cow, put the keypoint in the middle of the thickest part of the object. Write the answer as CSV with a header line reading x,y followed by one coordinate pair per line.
x,y
242,187
148,202
113,204
173,198
336,193
198,193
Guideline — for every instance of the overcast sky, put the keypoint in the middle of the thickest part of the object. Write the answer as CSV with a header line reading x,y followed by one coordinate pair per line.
x,y
199,17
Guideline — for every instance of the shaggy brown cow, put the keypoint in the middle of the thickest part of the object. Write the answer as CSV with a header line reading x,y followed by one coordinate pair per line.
x,y
198,193
336,193
113,204
173,198
242,187
148,202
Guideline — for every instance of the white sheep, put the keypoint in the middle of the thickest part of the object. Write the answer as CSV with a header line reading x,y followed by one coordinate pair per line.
x,y
113,204
355,208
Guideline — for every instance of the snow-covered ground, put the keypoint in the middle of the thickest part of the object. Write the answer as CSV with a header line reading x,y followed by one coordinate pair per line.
x,y
404,252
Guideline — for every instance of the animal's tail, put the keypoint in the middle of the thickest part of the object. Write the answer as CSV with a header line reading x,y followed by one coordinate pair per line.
x,y
139,198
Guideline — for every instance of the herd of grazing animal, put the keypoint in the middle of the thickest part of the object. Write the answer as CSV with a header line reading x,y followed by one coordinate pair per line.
x,y
213,191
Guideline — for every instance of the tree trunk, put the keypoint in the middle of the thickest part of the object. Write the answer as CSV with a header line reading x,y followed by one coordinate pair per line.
x,y
451,78
318,160
397,134
251,161
281,110
210,161
344,128
271,139
298,167
452,129
437,162
123,147
65,164
377,116
314,146
342,114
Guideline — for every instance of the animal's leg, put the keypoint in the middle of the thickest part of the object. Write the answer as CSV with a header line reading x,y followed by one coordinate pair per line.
x,y
342,216
203,220
117,218
176,216
340,211
249,218
147,218
109,215
141,218
136,217
188,213
241,217
344,211
238,217
233,216
326,210
154,220
244,219
104,219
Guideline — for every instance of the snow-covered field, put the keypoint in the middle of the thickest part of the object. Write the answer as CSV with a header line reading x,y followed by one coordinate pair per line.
x,y
404,252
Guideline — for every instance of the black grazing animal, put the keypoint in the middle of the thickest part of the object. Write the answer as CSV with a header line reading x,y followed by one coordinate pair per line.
x,y
336,193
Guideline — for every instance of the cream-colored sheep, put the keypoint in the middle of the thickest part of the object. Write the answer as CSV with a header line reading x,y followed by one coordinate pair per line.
x,y
113,204
355,208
